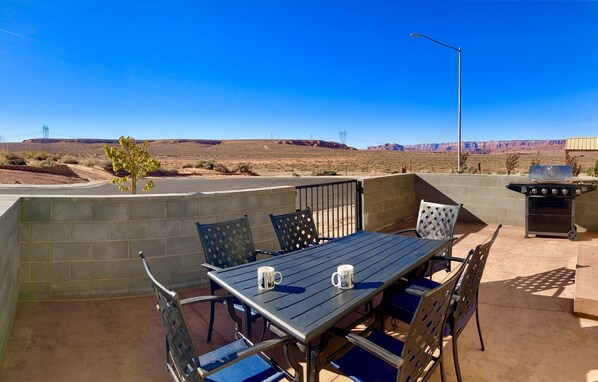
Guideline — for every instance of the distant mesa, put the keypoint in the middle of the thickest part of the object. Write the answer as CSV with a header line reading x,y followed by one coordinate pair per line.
x,y
115,141
316,143
480,147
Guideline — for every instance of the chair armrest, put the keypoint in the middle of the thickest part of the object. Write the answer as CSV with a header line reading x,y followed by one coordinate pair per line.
x,y
270,253
448,258
326,238
416,290
412,230
193,300
223,362
369,346
211,267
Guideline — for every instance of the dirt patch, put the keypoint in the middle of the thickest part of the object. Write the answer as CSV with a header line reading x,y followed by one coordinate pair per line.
x,y
26,177
84,175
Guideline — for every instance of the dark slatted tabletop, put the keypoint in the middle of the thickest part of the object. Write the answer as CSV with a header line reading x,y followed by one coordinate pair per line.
x,y
306,304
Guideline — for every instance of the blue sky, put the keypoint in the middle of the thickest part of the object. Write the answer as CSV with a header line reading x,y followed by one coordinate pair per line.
x,y
298,69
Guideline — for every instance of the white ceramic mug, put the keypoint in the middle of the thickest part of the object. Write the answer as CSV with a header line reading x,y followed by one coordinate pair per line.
x,y
266,278
343,277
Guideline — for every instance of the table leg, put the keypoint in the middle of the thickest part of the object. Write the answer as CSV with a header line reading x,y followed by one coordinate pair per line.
x,y
247,322
311,364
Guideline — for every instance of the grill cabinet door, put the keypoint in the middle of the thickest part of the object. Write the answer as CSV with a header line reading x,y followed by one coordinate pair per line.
x,y
550,214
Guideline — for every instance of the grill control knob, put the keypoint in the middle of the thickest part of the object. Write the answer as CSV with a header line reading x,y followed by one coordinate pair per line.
x,y
544,191
578,191
555,191
534,191
565,191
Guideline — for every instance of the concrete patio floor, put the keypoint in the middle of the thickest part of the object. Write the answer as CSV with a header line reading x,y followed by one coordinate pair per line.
x,y
526,304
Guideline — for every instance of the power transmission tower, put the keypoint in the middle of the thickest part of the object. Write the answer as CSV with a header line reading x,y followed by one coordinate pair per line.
x,y
46,135
342,136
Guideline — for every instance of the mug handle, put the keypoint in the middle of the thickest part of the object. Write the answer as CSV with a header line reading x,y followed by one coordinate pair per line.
x,y
337,284
279,281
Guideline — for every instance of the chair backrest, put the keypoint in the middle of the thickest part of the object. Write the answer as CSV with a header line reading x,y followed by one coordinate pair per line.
x,y
228,243
181,355
295,230
425,334
469,284
437,221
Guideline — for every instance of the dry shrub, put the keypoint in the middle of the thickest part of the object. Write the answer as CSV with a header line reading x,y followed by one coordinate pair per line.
x,y
205,164
573,161
69,159
511,163
245,168
219,167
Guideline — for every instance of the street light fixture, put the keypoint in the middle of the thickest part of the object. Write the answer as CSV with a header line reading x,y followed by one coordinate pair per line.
x,y
459,96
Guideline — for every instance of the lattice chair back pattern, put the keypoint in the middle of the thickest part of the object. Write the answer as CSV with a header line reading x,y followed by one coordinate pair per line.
x,y
228,243
469,284
379,356
425,334
240,360
295,230
437,221
181,355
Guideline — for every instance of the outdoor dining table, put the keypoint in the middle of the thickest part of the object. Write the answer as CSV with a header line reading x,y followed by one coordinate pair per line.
x,y
306,304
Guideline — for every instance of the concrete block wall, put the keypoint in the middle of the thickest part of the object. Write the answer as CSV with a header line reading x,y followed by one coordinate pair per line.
x,y
87,247
388,201
9,266
486,199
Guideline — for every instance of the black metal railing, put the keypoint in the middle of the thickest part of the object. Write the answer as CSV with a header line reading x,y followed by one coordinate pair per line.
x,y
336,206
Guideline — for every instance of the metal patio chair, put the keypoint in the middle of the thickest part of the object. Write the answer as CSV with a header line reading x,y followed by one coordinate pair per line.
x,y
238,361
436,221
227,244
296,230
403,304
378,356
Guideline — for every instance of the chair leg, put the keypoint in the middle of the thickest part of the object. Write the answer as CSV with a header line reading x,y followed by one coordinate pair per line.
x,y
211,326
456,359
477,320
264,327
441,362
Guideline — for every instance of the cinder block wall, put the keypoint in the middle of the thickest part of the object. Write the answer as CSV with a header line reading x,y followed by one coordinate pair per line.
x,y
9,266
388,201
87,247
486,199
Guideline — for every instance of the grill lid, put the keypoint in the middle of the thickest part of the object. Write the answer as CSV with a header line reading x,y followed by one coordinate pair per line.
x,y
551,173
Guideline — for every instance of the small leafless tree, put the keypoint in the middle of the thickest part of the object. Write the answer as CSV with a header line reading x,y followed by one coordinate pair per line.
x,y
511,162
536,161
573,162
464,156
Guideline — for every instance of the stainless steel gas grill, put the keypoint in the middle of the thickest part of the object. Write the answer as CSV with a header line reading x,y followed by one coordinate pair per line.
x,y
550,200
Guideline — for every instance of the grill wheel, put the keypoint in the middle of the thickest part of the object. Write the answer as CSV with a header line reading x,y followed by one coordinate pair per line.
x,y
572,235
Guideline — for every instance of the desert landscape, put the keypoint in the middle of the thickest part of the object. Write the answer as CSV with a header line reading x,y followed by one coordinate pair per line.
x,y
86,161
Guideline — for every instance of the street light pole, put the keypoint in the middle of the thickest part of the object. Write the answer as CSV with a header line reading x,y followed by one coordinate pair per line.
x,y
459,96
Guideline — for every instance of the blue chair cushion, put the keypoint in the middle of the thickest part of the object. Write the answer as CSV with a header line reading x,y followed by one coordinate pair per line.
x,y
251,369
403,305
360,365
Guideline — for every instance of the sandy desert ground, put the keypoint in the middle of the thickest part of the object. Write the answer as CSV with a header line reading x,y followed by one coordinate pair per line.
x,y
265,158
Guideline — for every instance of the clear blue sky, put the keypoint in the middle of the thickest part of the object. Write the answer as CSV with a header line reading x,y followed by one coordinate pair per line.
x,y
298,69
